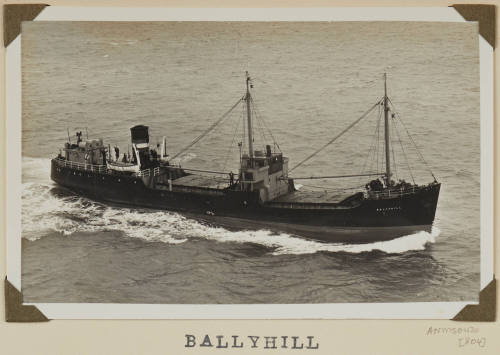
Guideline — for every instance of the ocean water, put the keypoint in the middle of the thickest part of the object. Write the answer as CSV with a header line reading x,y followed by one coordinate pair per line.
x,y
310,81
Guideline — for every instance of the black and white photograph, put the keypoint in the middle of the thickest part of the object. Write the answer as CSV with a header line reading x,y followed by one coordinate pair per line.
x,y
198,162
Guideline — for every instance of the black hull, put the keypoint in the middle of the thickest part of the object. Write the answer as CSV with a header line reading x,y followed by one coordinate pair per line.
x,y
368,221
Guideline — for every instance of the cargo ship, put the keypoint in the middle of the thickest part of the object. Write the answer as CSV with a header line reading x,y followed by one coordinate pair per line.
x,y
263,194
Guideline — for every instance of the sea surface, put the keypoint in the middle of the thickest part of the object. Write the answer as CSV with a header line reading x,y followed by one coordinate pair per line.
x,y
310,81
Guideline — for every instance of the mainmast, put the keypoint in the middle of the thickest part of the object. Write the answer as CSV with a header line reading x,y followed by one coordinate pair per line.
x,y
249,119
387,138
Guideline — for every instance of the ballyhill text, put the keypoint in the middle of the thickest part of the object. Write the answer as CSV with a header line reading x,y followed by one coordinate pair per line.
x,y
252,341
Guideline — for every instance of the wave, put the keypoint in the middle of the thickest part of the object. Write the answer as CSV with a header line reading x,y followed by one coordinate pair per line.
x,y
36,170
413,242
45,210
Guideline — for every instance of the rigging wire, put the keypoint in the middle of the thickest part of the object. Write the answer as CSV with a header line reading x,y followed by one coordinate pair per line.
x,y
378,140
412,141
334,176
259,116
244,135
372,145
259,124
334,189
336,137
402,148
208,130
393,155
236,126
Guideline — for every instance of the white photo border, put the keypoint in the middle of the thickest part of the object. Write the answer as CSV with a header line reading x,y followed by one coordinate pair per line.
x,y
410,310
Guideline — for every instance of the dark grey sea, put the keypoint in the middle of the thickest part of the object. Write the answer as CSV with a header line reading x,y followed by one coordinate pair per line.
x,y
311,80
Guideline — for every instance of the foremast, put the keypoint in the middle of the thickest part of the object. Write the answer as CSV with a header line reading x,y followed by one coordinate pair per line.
x,y
262,171
388,174
248,98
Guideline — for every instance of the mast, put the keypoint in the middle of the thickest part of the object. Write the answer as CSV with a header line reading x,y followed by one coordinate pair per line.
x,y
249,119
387,138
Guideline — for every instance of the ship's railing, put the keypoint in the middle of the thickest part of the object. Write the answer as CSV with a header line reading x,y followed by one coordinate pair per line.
x,y
81,166
149,172
393,193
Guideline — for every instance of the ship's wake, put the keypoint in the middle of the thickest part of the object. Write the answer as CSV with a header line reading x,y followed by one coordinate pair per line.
x,y
47,208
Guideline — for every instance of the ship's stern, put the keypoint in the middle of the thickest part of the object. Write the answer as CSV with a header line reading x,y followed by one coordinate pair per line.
x,y
54,171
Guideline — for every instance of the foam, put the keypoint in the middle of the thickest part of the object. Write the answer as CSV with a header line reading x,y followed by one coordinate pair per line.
x,y
417,241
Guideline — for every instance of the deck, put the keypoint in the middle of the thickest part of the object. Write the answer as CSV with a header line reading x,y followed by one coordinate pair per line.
x,y
211,182
304,196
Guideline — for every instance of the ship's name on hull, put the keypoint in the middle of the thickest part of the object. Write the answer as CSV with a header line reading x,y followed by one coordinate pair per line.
x,y
251,341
